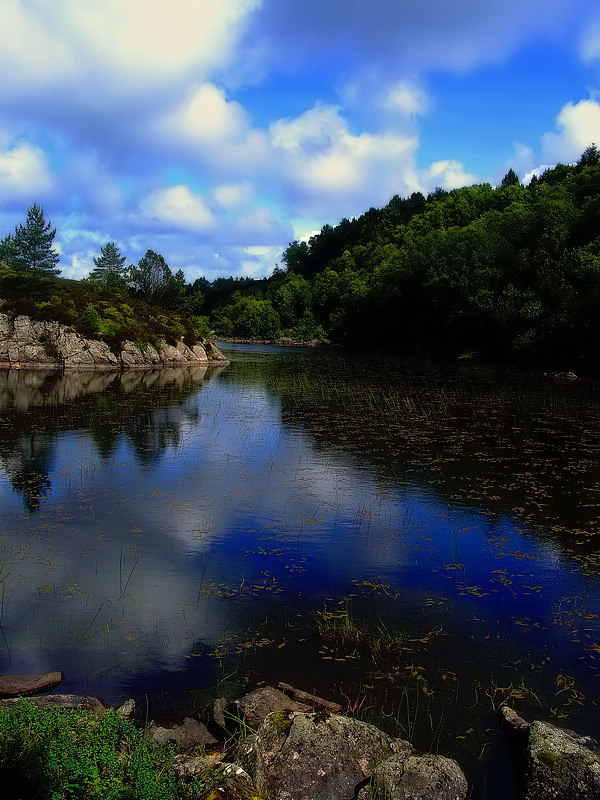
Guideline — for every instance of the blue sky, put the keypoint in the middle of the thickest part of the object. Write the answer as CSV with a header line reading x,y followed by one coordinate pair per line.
x,y
216,132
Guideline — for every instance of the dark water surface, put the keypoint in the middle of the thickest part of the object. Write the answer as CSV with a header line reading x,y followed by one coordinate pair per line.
x,y
418,542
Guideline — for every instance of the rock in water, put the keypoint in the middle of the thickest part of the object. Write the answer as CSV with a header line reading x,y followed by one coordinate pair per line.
x,y
561,765
21,685
311,700
255,705
301,756
413,777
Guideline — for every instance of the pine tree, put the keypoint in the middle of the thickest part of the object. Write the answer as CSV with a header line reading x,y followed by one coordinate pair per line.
x,y
110,266
510,179
33,251
7,251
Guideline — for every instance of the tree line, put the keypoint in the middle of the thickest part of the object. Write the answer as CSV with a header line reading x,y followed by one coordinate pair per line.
x,y
505,272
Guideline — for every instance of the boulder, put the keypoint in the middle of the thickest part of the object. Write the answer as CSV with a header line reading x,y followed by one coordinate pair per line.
x,y
416,777
186,736
222,781
255,705
561,765
300,756
20,685
218,713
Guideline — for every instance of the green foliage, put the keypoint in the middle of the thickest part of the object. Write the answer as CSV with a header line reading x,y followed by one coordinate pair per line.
x,y
63,754
30,248
109,268
248,317
511,272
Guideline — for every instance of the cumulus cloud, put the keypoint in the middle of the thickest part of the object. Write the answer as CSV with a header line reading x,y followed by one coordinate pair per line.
x,y
326,165
578,126
448,174
177,207
213,129
231,195
137,41
24,173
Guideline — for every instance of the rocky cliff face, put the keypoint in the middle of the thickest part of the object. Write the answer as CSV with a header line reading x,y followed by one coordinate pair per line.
x,y
27,343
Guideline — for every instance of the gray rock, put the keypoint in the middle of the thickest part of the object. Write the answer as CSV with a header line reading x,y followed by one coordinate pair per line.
x,y
186,736
416,777
25,343
561,765
221,781
311,700
314,756
219,707
127,709
255,705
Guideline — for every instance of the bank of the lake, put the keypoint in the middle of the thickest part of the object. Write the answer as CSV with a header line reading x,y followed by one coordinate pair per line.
x,y
415,542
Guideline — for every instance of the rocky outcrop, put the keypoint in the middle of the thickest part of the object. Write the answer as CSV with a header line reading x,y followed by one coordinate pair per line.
x,y
188,735
300,756
28,343
416,777
255,706
558,764
82,702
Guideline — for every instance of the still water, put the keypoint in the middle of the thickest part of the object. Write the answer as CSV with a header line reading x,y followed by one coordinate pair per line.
x,y
419,542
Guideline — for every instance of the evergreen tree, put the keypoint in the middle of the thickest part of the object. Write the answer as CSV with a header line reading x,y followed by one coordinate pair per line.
x,y
7,251
590,157
110,269
150,275
510,179
33,251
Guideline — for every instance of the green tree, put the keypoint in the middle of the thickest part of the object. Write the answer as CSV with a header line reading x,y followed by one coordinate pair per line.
x,y
150,274
590,157
110,269
32,242
7,250
510,179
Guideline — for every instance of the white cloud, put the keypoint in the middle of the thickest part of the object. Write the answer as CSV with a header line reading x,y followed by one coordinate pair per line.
x,y
178,207
590,42
140,42
448,174
326,165
213,129
407,98
24,173
231,195
578,126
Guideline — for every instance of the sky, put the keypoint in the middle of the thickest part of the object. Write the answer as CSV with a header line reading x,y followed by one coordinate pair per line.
x,y
217,131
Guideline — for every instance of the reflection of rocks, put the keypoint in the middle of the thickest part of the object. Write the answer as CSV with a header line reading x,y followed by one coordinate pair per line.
x,y
26,343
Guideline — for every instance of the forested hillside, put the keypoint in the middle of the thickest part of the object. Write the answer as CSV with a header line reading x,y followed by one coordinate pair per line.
x,y
506,272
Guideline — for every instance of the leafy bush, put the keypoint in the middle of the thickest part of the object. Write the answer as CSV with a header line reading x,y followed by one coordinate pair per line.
x,y
64,754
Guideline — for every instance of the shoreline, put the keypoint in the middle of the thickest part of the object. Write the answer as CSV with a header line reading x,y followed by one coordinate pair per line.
x,y
285,342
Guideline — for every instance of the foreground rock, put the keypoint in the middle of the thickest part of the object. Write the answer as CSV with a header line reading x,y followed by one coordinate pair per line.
x,y
82,702
256,705
188,735
222,781
28,343
23,685
558,764
300,756
416,777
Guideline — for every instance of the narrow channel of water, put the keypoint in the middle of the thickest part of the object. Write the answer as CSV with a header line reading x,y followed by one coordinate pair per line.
x,y
419,542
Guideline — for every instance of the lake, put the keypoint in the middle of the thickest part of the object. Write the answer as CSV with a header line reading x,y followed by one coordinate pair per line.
x,y
417,541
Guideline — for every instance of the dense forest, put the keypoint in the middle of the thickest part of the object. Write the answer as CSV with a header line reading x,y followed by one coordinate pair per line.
x,y
506,272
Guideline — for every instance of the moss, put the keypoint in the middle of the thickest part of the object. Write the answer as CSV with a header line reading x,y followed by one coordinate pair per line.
x,y
282,722
548,757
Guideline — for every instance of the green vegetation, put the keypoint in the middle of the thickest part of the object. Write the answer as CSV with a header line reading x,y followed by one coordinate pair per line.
x,y
511,272
67,754
144,303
